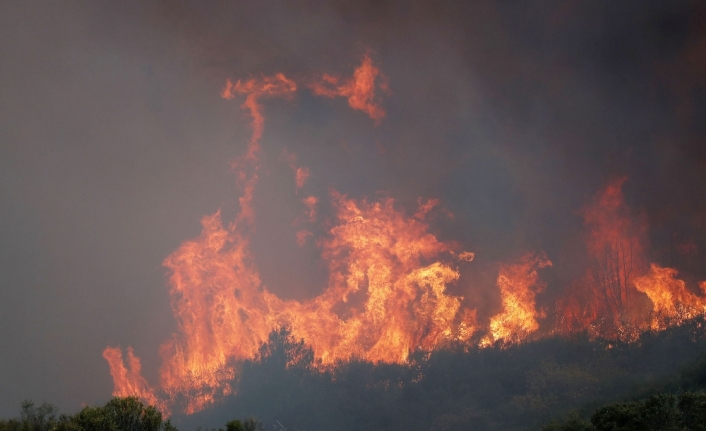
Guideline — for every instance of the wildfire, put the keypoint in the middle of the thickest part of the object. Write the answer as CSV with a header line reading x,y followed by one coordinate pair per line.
x,y
389,277
518,284
248,166
381,302
128,380
607,301
671,301
359,89
265,86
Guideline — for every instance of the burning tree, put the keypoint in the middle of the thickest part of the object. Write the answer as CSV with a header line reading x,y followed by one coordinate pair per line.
x,y
615,249
612,271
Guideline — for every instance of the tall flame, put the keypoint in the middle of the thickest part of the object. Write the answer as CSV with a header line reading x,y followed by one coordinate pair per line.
x,y
381,301
388,288
128,380
614,243
610,223
607,301
615,247
247,167
518,284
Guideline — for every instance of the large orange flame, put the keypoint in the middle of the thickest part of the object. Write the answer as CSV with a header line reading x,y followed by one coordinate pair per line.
x,y
381,302
518,285
608,301
604,301
128,380
672,303
610,223
389,277
207,274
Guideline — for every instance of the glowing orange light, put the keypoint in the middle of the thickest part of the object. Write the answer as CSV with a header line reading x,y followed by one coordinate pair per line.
x,y
518,285
359,89
388,288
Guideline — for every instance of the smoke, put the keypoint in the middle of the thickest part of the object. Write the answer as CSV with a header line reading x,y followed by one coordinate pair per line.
x,y
115,143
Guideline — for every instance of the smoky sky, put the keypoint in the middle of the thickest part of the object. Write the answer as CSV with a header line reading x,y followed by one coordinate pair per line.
x,y
114,142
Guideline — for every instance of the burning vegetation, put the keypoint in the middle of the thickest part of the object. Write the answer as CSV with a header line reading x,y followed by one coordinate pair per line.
x,y
388,278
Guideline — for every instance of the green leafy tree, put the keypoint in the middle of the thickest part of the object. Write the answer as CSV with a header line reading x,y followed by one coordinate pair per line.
x,y
32,418
693,410
250,424
119,414
41,418
282,351
658,413
234,425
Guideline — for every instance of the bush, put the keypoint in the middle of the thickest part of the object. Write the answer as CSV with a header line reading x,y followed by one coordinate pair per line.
x,y
660,412
119,414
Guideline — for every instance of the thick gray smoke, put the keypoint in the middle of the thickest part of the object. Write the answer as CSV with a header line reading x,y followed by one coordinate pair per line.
x,y
114,142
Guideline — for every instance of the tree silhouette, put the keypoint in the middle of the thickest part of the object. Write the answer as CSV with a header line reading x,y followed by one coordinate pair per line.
x,y
612,271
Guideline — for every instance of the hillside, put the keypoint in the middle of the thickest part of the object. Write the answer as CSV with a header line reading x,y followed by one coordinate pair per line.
x,y
515,388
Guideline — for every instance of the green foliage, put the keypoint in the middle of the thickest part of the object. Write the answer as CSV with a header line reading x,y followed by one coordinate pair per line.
x,y
119,414
693,410
250,424
458,388
282,351
552,384
234,425
461,387
660,412
42,418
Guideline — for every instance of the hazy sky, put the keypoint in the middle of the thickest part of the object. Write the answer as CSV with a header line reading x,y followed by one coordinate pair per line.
x,y
114,142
